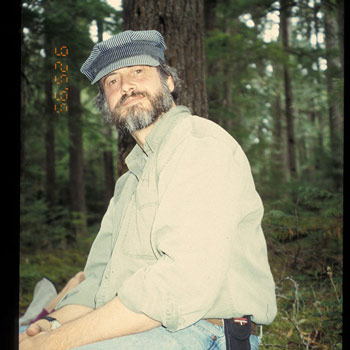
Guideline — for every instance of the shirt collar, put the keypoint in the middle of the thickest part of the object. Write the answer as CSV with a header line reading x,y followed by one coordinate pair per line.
x,y
137,158
162,127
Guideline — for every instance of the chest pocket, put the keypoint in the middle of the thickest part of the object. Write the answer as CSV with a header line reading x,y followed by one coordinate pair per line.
x,y
139,221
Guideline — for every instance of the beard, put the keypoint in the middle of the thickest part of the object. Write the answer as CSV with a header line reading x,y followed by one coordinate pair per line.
x,y
137,116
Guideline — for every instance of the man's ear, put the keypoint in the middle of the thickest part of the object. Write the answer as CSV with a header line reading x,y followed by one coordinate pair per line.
x,y
170,83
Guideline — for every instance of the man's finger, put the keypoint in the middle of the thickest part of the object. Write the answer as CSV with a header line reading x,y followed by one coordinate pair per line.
x,y
33,329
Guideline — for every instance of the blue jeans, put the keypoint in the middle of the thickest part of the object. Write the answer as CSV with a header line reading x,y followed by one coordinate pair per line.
x,y
200,336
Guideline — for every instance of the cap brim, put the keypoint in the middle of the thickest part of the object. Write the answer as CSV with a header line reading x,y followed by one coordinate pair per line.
x,y
142,60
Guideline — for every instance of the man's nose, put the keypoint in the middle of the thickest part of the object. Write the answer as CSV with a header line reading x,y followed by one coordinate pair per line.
x,y
127,86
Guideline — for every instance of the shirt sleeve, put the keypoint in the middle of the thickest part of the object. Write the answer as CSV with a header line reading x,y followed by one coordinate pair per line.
x,y
200,189
85,292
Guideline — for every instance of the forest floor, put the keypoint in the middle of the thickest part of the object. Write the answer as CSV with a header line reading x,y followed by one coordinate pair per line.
x,y
307,270
309,295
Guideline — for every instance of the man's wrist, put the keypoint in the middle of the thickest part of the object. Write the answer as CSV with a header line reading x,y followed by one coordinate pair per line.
x,y
54,323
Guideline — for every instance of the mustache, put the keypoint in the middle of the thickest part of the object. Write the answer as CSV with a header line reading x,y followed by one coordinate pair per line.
x,y
132,94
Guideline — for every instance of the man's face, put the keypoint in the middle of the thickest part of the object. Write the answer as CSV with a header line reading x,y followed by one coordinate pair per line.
x,y
136,96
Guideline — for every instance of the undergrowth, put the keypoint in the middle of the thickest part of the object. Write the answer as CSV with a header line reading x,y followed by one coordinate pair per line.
x,y
305,245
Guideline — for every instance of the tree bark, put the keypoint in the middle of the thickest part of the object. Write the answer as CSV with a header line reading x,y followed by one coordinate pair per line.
x,y
316,114
181,22
24,83
284,23
107,132
50,146
278,171
209,14
49,116
340,18
334,107
49,133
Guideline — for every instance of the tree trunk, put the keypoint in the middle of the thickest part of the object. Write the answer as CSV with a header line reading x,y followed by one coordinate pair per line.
x,y
49,117
340,18
24,84
209,14
49,132
50,146
278,163
76,168
107,132
284,19
316,114
334,106
181,22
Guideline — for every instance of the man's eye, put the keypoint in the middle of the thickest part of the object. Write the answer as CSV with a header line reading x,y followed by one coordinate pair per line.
x,y
112,82
138,71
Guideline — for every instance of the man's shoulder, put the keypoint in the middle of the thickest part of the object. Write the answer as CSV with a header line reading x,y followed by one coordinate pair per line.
x,y
196,127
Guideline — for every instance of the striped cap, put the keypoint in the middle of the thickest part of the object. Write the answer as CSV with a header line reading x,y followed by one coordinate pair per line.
x,y
125,49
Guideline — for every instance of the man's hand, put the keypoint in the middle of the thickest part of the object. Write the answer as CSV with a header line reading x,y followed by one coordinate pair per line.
x,y
35,328
38,326
38,342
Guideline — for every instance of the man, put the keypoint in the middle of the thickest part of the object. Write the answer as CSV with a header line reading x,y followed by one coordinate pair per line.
x,y
180,247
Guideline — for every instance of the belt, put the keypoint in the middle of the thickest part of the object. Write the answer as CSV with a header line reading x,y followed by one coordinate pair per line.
x,y
219,322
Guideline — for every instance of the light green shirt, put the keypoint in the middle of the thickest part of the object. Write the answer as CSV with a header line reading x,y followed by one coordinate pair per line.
x,y
181,239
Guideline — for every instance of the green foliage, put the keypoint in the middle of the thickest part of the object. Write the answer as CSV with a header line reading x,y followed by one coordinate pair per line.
x,y
305,210
330,204
41,227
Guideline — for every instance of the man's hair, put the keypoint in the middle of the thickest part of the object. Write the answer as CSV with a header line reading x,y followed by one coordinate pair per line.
x,y
164,72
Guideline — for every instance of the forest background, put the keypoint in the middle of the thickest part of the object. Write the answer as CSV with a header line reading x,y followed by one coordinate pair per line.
x,y
269,72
